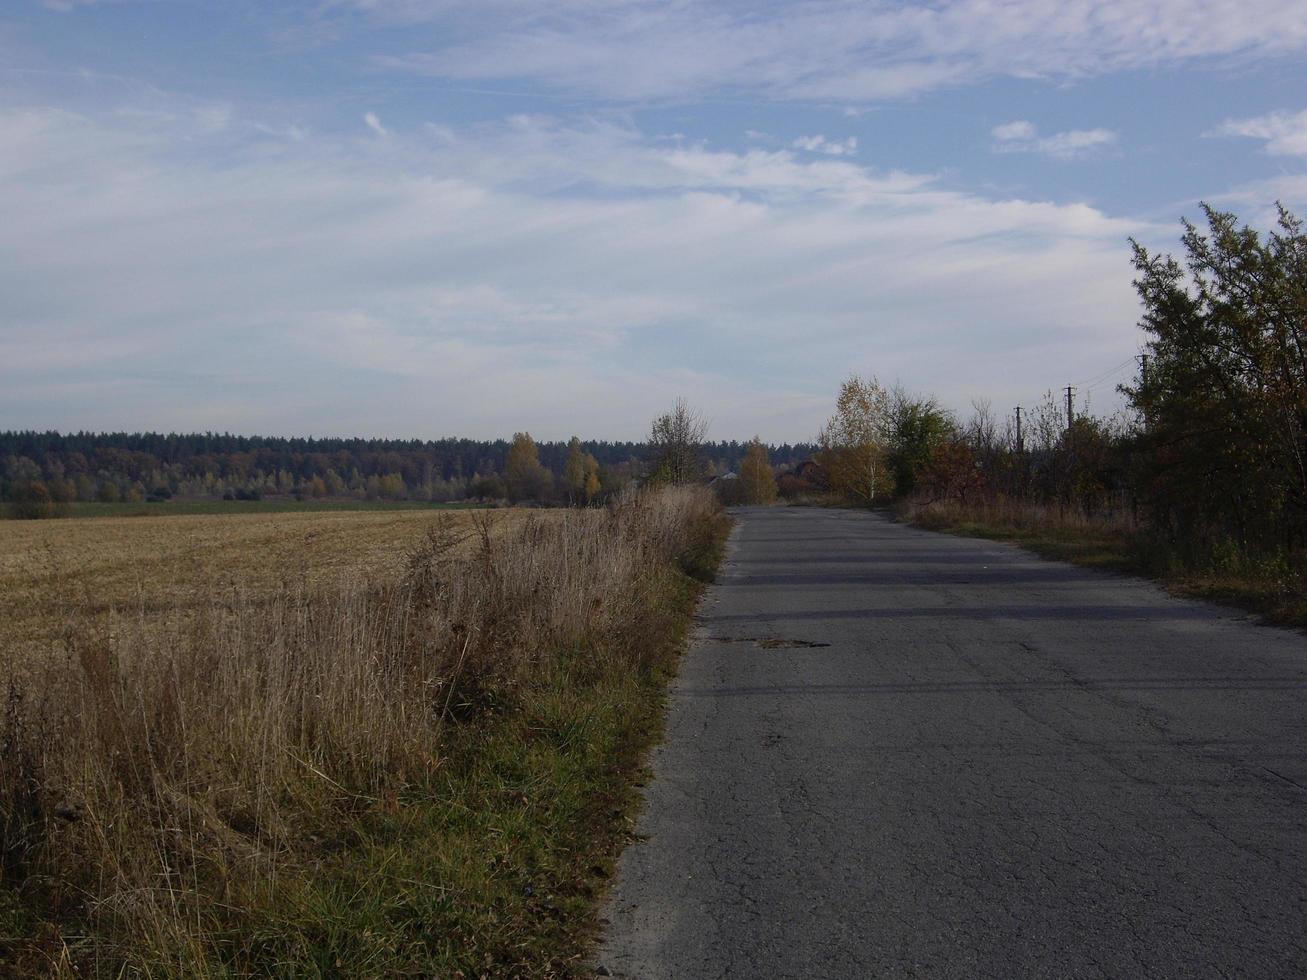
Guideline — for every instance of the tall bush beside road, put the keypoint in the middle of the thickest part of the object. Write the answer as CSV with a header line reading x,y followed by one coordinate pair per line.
x,y
1224,399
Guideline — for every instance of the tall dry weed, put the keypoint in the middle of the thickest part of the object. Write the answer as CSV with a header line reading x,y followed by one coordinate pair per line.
x,y
1001,511
157,775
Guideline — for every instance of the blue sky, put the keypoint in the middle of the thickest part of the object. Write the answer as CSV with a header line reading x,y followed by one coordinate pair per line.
x,y
425,217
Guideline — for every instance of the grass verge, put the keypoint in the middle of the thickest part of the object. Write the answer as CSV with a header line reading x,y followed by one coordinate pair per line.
x,y
457,816
1119,544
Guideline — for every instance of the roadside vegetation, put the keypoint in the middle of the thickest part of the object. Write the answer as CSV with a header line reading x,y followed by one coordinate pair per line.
x,y
1201,482
421,774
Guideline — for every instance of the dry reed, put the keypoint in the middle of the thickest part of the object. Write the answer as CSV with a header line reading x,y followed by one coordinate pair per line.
x,y
1017,514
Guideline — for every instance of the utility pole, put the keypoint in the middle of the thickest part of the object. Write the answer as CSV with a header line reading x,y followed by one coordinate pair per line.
x,y
1019,444
1070,407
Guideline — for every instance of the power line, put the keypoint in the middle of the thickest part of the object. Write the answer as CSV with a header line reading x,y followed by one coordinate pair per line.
x,y
1099,378
1108,373
1111,379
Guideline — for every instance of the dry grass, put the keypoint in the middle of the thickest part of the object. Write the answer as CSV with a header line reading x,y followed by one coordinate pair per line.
x,y
1121,542
1104,540
169,775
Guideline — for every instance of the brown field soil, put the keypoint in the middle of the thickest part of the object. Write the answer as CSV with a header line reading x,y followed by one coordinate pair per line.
x,y
158,564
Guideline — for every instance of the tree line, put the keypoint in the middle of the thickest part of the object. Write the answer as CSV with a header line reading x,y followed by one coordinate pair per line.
x,y
42,472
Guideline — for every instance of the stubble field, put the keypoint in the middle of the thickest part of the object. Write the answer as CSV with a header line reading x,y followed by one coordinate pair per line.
x,y
156,566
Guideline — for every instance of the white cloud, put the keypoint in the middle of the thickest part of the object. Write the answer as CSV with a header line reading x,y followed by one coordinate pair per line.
x,y
64,6
834,50
374,124
1254,201
1023,137
1019,130
820,144
1285,133
482,279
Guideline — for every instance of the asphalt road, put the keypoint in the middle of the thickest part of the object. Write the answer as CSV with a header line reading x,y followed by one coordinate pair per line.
x,y
896,753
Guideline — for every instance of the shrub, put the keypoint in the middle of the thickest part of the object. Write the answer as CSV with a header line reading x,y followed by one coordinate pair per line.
x,y
794,487
729,490
487,488
62,491
30,500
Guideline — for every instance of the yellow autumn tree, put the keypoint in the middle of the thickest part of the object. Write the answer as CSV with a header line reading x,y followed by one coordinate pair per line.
x,y
592,482
757,481
855,441
524,477
574,472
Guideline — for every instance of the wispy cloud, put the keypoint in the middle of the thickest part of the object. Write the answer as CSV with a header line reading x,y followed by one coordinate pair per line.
x,y
1022,136
64,6
831,50
820,144
1285,133
1256,201
374,124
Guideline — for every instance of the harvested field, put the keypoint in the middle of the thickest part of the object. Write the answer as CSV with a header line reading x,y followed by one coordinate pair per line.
x,y
49,568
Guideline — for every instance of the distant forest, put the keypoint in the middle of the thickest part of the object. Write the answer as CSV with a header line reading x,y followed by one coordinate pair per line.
x,y
111,467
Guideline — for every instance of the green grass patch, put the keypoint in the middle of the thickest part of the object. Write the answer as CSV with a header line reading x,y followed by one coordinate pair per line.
x,y
1107,551
493,868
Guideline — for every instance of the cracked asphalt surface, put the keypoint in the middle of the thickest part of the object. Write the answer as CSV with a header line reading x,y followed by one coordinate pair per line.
x,y
999,766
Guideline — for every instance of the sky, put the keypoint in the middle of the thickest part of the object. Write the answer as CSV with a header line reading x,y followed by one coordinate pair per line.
x,y
420,218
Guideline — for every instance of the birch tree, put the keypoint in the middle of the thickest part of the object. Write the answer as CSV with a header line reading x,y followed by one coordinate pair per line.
x,y
855,441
